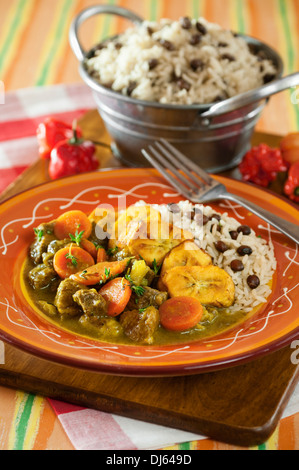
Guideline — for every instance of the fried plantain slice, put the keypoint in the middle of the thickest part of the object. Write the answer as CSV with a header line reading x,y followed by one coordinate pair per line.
x,y
210,284
186,253
154,250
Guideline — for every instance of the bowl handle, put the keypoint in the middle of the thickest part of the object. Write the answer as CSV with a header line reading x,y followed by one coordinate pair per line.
x,y
252,96
92,11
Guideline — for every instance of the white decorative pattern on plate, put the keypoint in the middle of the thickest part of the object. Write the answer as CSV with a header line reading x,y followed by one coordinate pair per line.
x,y
259,334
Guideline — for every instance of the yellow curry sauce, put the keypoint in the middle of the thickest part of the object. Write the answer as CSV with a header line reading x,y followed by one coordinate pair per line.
x,y
217,320
157,268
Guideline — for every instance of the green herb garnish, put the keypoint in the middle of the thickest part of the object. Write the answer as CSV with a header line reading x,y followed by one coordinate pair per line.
x,y
72,258
83,274
112,251
77,237
39,233
107,272
138,290
97,245
156,267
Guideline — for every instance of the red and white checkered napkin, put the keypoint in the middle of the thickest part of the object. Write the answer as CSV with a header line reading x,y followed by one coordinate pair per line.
x,y
90,429
19,117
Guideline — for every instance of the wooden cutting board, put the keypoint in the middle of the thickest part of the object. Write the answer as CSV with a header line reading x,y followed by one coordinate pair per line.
x,y
241,405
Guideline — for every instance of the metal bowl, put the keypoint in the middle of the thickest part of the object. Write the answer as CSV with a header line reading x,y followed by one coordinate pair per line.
x,y
216,144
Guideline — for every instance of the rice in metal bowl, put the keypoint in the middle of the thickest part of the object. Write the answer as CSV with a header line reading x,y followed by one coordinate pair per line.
x,y
209,227
179,62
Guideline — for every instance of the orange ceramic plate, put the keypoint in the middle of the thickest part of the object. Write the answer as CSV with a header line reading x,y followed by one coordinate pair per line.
x,y
275,325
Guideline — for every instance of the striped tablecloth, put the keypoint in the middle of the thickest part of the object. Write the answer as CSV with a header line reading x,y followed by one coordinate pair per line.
x,y
34,53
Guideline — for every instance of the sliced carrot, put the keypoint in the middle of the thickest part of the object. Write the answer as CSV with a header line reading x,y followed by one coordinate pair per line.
x,y
117,293
87,245
100,272
72,222
180,313
101,255
70,260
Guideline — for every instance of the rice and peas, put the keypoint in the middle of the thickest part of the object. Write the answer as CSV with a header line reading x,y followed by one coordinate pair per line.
x,y
179,62
224,238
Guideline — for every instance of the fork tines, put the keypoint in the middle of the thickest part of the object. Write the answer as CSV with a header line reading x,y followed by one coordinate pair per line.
x,y
181,172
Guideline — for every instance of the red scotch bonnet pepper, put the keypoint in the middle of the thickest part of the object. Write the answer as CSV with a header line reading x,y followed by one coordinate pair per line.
x,y
50,132
291,188
261,164
72,156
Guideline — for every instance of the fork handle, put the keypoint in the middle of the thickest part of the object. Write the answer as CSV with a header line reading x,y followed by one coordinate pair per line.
x,y
287,228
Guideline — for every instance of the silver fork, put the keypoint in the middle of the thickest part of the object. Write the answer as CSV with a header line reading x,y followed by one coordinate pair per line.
x,y
198,186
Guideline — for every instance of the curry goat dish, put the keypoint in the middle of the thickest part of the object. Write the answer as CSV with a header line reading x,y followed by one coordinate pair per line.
x,y
144,281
